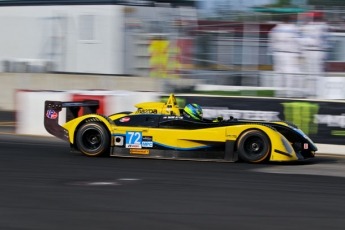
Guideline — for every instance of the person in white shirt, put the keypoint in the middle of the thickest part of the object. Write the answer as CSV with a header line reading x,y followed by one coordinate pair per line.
x,y
284,45
315,45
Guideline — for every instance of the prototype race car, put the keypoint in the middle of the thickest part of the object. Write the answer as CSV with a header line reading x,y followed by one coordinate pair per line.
x,y
158,130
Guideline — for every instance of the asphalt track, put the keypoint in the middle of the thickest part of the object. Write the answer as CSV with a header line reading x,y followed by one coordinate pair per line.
x,y
44,186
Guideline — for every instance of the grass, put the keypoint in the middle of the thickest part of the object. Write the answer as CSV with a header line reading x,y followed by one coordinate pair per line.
x,y
256,93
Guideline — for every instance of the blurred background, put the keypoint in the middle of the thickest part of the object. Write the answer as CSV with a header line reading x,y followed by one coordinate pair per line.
x,y
215,47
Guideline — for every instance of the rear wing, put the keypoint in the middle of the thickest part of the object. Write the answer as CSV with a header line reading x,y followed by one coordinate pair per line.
x,y
53,108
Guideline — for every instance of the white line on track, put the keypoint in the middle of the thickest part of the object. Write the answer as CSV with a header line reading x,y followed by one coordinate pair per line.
x,y
336,170
128,179
120,181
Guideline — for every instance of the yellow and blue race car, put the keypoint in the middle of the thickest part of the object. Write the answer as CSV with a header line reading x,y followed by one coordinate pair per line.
x,y
159,130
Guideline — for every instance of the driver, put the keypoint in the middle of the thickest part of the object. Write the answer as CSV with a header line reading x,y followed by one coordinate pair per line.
x,y
194,112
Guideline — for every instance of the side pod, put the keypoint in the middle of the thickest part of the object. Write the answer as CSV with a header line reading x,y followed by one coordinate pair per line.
x,y
53,108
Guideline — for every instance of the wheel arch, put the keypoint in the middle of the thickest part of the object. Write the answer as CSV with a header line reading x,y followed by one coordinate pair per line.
x,y
86,144
254,128
264,131
74,125
281,149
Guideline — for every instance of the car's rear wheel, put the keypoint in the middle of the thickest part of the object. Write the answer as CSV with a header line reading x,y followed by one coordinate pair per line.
x,y
253,146
93,139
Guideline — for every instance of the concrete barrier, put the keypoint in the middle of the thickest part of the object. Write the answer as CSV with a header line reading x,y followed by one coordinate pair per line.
x,y
30,110
330,149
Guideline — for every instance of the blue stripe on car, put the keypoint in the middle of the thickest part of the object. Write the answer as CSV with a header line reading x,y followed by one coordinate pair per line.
x,y
177,148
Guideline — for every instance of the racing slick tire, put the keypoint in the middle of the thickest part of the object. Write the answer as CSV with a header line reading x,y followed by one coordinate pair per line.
x,y
93,139
253,146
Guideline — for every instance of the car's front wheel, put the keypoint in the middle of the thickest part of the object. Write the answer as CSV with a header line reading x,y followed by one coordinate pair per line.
x,y
253,146
93,139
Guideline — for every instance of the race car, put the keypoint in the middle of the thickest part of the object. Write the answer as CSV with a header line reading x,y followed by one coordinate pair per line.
x,y
159,130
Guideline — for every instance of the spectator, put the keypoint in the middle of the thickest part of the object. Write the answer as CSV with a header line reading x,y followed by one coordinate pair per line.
x,y
315,45
284,44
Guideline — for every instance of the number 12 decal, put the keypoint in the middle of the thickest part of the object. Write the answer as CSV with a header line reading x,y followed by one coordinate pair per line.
x,y
133,139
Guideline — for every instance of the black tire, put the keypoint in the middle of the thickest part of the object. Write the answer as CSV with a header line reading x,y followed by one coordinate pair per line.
x,y
254,146
93,139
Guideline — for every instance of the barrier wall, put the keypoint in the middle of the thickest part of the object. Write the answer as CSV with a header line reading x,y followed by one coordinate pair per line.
x,y
30,105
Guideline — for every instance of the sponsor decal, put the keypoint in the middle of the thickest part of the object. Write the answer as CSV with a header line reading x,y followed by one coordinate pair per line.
x,y
133,139
175,117
338,132
303,115
51,114
331,120
150,111
226,113
133,146
125,119
147,144
165,117
139,151
305,146
147,138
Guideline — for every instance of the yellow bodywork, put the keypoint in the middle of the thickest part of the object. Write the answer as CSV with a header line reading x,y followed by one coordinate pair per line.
x,y
185,139
169,108
182,139
72,125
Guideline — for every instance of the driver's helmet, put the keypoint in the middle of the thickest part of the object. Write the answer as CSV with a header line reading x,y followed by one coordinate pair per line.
x,y
194,111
